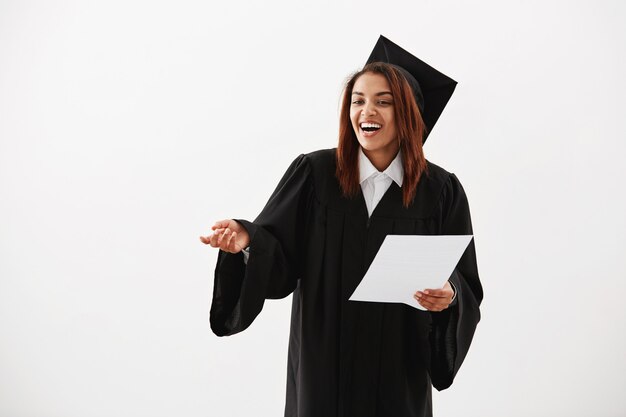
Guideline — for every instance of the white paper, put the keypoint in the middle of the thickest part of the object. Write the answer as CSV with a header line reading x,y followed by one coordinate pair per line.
x,y
405,264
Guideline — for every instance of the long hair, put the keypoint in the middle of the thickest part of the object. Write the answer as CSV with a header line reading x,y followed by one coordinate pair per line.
x,y
410,129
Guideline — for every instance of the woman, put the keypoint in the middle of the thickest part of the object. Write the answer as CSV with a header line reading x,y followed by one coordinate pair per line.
x,y
318,234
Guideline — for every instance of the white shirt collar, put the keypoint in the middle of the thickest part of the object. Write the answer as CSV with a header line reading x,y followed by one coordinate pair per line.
x,y
395,170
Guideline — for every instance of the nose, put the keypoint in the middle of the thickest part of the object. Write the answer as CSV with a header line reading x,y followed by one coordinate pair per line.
x,y
368,109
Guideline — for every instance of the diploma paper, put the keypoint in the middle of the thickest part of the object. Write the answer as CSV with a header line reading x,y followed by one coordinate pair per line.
x,y
405,264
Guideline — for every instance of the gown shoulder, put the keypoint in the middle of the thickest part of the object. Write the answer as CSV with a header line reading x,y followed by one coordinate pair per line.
x,y
433,192
322,162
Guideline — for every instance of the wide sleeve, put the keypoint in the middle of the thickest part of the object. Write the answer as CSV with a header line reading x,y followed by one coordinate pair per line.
x,y
452,329
277,239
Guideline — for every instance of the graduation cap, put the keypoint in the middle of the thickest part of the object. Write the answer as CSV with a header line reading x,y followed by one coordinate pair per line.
x,y
431,88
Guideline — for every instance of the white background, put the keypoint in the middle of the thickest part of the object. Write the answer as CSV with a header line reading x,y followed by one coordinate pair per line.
x,y
128,127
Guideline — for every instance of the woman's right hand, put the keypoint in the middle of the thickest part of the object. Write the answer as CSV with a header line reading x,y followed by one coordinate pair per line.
x,y
228,235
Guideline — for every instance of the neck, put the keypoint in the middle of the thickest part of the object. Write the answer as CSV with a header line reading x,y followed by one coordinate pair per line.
x,y
381,158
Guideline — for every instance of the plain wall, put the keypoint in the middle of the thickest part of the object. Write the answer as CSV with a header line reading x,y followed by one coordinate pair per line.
x,y
128,127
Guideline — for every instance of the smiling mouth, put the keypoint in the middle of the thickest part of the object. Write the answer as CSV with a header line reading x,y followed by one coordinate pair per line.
x,y
370,127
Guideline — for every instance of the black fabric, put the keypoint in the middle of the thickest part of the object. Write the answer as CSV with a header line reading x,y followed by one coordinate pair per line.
x,y
350,358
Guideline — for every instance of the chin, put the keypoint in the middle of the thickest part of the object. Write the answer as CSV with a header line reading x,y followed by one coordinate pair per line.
x,y
373,145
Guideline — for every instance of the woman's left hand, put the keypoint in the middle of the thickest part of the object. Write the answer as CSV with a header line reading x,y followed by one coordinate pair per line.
x,y
435,299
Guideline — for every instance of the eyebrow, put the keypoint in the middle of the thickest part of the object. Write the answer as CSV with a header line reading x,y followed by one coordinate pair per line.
x,y
382,93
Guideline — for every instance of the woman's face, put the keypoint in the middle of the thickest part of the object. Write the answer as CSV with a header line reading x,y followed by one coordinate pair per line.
x,y
372,116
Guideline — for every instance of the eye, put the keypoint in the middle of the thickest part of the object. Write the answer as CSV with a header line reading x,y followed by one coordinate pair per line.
x,y
357,102
384,102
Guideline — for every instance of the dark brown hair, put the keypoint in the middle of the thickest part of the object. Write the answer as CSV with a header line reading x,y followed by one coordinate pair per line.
x,y
409,126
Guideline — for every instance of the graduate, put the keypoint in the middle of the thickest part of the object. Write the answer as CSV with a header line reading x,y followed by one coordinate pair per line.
x,y
320,231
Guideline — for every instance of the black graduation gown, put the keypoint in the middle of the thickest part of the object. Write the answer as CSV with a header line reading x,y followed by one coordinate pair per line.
x,y
350,358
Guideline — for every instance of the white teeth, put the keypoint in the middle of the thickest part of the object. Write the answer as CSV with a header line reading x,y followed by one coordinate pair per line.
x,y
372,125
